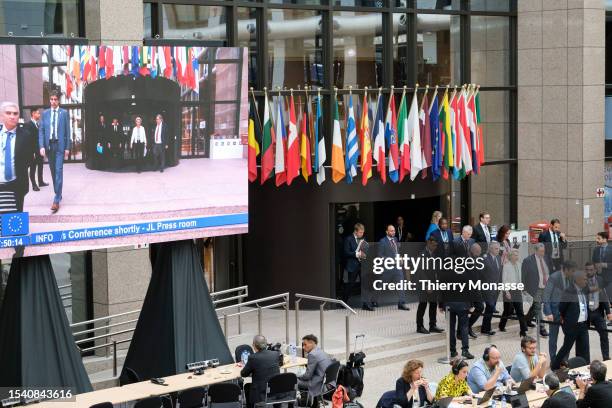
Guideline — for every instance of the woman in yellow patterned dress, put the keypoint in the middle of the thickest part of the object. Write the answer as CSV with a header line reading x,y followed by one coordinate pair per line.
x,y
455,384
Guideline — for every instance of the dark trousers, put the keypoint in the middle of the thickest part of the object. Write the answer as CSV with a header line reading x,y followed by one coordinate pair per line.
x,y
159,154
575,333
488,316
596,318
509,308
536,307
138,150
458,323
478,309
421,313
348,288
36,168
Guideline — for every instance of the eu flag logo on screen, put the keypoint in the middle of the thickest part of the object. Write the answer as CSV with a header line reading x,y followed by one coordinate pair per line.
x,y
14,224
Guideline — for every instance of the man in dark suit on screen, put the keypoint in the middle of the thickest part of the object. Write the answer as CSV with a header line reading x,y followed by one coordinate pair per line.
x,y
482,231
492,273
15,156
388,247
36,165
461,246
261,366
54,143
354,253
602,258
444,238
160,143
536,270
555,242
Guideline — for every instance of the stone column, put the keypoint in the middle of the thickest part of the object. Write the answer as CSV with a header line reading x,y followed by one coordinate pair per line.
x,y
114,22
561,71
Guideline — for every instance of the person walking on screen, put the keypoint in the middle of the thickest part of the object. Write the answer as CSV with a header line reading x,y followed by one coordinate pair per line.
x,y
160,143
137,143
54,143
15,156
36,165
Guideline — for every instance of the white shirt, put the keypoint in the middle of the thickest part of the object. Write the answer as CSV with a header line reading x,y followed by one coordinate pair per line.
x,y
485,228
3,138
582,305
511,273
542,271
157,134
554,240
138,135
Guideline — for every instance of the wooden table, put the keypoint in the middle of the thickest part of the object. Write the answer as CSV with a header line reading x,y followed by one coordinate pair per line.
x,y
145,389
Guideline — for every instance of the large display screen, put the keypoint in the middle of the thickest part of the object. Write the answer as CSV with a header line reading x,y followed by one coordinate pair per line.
x,y
104,146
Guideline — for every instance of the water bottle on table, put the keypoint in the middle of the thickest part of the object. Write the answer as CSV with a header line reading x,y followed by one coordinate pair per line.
x,y
244,357
292,353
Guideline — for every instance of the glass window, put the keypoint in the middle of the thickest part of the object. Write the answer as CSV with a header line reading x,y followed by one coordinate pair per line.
x,y
438,49
227,75
295,48
302,2
148,22
490,50
495,124
491,192
247,37
206,23
357,49
34,83
401,54
225,120
490,5
361,3
30,18
33,53
438,4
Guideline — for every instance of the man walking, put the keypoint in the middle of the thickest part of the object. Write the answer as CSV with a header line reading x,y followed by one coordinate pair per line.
x,y
14,159
36,165
160,143
54,142
388,247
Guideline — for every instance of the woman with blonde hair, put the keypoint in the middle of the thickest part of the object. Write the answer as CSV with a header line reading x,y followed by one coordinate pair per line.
x,y
412,384
435,219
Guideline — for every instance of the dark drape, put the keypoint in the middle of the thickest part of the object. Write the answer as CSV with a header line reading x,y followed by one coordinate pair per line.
x,y
178,323
36,345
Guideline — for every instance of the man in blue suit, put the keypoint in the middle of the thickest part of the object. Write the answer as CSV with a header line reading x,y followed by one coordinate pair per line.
x,y
54,143
388,248
354,254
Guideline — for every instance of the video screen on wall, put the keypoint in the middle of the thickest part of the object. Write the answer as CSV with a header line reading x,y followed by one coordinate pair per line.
x,y
105,146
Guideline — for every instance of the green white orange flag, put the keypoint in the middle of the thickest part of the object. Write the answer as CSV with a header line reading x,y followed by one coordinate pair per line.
x,y
337,160
267,144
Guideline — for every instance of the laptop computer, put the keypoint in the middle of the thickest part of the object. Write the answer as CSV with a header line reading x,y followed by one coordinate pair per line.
x,y
524,386
562,374
486,397
443,402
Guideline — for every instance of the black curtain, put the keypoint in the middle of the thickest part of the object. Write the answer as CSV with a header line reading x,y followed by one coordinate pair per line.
x,y
36,345
178,323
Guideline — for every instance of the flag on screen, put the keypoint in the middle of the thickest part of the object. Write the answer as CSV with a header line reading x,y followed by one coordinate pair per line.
x,y
254,134
68,71
14,224
480,137
471,118
403,138
293,145
379,140
110,61
464,136
102,62
280,153
135,62
436,140
320,155
337,160
352,146
305,157
366,142
414,135
267,143
445,133
454,115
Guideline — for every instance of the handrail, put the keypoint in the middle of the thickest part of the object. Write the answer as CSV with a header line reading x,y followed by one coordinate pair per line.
x,y
99,319
254,302
324,300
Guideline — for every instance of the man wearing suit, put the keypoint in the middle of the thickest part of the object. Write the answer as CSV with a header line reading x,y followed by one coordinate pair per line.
x,y
462,245
354,252
557,398
318,361
36,165
160,143
388,247
444,238
116,141
427,297
556,285
599,393
482,231
14,159
554,242
599,308
574,311
536,270
401,233
492,273
103,138
602,257
54,142
261,366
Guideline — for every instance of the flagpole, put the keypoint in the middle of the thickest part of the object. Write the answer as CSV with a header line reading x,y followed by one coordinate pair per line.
x,y
432,98
256,110
440,107
423,100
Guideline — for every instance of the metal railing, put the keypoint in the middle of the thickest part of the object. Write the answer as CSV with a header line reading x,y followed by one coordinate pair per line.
x,y
324,301
258,308
224,296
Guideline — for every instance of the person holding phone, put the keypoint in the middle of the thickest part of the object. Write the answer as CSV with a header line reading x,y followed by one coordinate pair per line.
x,y
596,393
412,386
455,383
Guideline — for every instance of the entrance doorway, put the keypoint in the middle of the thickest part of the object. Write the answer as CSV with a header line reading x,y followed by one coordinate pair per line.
x,y
375,216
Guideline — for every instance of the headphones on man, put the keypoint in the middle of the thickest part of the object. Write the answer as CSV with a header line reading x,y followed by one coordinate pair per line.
x,y
457,365
485,355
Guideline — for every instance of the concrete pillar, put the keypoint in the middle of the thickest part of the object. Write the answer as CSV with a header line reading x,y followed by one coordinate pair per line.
x,y
114,22
561,70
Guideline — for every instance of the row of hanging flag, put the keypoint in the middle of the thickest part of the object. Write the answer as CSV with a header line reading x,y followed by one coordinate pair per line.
x,y
443,135
88,63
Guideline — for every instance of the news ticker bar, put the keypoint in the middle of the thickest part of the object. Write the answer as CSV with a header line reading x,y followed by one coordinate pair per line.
x,y
111,231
